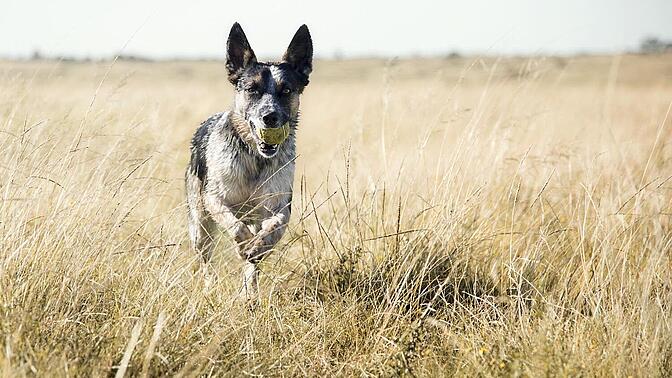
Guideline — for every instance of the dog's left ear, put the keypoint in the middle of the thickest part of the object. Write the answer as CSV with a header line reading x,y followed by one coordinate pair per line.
x,y
299,54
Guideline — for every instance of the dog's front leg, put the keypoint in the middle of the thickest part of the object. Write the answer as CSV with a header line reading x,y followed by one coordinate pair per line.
x,y
227,220
272,229
242,235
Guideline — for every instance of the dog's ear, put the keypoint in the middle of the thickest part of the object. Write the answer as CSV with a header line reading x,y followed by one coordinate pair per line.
x,y
239,54
299,54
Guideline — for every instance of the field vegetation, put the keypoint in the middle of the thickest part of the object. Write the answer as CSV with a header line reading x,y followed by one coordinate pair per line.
x,y
464,216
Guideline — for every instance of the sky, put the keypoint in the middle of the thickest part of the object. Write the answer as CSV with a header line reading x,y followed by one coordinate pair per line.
x,y
346,28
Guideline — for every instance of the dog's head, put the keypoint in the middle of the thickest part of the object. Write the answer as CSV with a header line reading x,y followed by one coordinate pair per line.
x,y
267,94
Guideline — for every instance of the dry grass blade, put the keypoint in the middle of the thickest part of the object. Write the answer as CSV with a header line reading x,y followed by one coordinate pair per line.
x,y
130,347
160,322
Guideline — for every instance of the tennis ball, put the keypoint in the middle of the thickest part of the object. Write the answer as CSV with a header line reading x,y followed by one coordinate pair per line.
x,y
275,135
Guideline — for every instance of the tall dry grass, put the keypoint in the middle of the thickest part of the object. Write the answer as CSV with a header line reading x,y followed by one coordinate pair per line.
x,y
451,217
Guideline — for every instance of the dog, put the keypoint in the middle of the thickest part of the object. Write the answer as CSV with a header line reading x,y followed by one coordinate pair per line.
x,y
240,175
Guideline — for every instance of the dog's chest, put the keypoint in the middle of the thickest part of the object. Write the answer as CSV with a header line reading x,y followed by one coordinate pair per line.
x,y
238,178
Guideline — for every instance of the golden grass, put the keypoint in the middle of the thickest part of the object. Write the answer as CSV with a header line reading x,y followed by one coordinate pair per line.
x,y
451,217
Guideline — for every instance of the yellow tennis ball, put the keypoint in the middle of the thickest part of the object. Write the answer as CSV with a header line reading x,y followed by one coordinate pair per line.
x,y
275,135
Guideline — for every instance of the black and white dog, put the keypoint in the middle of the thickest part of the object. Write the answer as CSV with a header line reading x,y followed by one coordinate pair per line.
x,y
242,161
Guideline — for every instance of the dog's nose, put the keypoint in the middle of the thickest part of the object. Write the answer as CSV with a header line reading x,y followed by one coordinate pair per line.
x,y
271,119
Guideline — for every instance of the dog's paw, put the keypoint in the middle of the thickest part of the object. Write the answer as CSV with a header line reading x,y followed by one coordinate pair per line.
x,y
250,249
241,233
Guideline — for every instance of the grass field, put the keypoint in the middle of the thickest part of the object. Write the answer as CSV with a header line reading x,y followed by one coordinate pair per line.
x,y
451,217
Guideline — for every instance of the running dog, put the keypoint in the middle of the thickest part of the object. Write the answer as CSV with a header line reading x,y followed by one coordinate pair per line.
x,y
241,170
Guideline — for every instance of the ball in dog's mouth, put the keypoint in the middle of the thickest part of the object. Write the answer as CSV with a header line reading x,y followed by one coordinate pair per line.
x,y
273,135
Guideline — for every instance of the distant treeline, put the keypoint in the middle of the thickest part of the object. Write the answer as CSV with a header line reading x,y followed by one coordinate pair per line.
x,y
650,45
655,46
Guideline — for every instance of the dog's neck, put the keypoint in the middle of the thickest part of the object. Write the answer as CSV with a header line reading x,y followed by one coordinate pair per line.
x,y
242,128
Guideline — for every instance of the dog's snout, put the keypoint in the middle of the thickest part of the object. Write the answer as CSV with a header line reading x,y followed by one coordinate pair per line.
x,y
271,119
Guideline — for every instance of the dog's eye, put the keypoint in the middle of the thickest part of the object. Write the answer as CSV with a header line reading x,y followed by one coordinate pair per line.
x,y
286,91
252,90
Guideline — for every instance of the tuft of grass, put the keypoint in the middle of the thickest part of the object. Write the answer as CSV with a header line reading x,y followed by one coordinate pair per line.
x,y
491,217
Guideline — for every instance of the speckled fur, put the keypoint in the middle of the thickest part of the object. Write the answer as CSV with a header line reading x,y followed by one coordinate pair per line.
x,y
232,181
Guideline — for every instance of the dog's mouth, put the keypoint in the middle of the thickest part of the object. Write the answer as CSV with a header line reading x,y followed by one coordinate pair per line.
x,y
267,150
269,140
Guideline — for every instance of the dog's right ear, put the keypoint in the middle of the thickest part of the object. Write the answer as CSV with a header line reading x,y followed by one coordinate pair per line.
x,y
239,54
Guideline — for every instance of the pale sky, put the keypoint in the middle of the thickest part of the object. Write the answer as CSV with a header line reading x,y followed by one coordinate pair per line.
x,y
198,28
